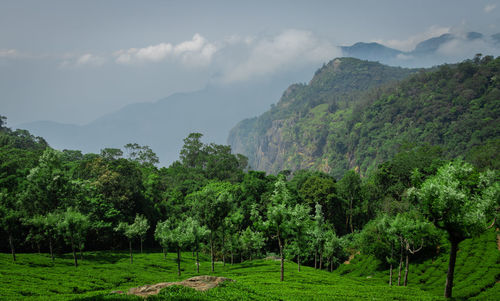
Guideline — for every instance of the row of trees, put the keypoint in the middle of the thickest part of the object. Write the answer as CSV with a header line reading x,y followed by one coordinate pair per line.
x,y
209,201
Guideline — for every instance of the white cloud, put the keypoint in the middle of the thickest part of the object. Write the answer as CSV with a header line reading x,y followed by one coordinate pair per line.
x,y
87,59
90,59
289,48
195,52
489,8
461,48
9,53
410,43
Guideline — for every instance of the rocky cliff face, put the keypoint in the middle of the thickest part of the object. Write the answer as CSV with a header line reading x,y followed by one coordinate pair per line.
x,y
294,133
355,114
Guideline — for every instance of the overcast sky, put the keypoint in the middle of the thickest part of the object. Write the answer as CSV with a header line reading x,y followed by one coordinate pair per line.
x,y
73,61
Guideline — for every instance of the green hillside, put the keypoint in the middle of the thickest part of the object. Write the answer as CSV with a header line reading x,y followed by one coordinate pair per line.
x,y
34,277
477,269
349,116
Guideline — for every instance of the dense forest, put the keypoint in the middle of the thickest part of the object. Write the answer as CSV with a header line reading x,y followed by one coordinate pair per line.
x,y
209,201
357,114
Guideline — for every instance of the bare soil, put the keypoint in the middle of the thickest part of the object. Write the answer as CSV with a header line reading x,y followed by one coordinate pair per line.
x,y
200,283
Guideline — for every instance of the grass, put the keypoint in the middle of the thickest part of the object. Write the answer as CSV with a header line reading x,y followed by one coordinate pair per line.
x,y
477,270
34,277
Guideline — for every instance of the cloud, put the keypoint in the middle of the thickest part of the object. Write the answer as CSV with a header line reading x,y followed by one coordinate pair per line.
x,y
85,60
410,43
270,55
8,53
195,52
488,8
460,48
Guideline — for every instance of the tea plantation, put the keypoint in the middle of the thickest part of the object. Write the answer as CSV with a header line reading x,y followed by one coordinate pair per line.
x,y
34,277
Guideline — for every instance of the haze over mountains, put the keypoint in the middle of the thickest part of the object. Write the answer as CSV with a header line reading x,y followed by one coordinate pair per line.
x,y
215,109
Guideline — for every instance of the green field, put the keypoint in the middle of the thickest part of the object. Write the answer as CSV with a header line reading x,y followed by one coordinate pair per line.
x,y
34,277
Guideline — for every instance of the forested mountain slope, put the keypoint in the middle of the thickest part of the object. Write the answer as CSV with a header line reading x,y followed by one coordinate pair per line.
x,y
348,116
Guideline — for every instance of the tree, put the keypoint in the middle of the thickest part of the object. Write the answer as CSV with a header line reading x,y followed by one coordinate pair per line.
x,y
141,226
461,202
300,224
192,153
279,217
211,205
144,155
10,219
199,233
73,226
334,249
251,241
410,232
130,231
318,231
177,234
349,188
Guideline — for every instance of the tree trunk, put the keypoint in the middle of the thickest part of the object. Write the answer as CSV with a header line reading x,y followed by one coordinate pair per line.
x,y
130,248
406,269
232,258
74,252
390,276
298,262
81,254
315,260
451,268
400,266
282,277
164,254
141,245
350,216
321,260
178,261
38,247
12,250
197,263
50,250
212,251
223,247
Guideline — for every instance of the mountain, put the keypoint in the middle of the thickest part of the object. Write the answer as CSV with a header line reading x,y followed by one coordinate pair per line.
x,y
370,51
164,124
425,54
346,118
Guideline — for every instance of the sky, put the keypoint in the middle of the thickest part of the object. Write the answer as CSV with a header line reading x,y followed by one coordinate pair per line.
x,y
74,61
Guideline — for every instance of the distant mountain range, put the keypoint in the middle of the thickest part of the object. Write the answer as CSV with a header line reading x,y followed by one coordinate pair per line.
x,y
426,53
213,111
164,124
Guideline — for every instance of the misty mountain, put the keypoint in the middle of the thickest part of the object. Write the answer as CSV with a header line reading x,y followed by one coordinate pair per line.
x,y
425,54
213,111
370,51
164,124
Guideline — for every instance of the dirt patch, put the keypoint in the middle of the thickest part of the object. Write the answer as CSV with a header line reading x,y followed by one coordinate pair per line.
x,y
200,283
276,258
498,241
351,257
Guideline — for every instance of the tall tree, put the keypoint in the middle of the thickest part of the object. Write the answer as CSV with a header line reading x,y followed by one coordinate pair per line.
x,y
349,188
141,226
461,202
176,234
211,205
279,217
73,226
130,231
